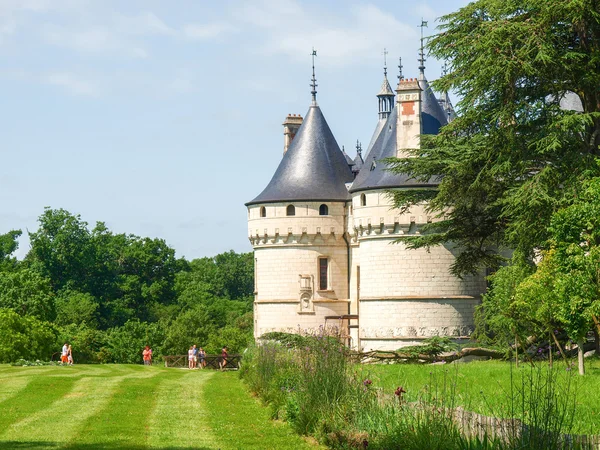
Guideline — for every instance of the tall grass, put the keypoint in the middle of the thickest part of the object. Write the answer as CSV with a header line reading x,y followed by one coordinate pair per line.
x,y
311,383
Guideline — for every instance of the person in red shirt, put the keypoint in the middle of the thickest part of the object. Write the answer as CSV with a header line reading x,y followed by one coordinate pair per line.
x,y
147,355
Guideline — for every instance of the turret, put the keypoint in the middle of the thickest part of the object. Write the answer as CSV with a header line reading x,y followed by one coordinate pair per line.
x,y
386,95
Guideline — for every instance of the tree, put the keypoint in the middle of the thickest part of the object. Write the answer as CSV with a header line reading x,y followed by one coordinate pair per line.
x,y
228,274
513,156
24,337
61,249
27,293
575,237
73,307
8,245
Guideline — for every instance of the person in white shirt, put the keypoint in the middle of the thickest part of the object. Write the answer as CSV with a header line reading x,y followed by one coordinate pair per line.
x,y
64,356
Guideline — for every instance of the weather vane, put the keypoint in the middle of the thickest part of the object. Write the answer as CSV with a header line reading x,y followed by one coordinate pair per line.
x,y
385,52
314,80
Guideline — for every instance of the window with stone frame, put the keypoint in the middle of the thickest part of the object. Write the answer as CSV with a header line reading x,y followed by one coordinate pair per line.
x,y
324,274
291,210
263,211
323,210
363,200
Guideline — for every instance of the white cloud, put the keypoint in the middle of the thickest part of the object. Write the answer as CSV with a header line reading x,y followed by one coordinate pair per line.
x,y
426,12
72,83
341,39
92,39
144,23
207,31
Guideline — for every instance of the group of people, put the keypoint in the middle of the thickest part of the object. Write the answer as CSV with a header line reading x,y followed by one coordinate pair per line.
x,y
198,354
66,354
147,356
195,354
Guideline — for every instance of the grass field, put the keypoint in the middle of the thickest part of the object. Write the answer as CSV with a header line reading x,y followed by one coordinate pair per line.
x,y
133,407
485,386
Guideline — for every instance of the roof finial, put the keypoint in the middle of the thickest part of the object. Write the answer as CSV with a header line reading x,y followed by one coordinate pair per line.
x,y
445,69
314,80
385,52
422,50
400,66
358,147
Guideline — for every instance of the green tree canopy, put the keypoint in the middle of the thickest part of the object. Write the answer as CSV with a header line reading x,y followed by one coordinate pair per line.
x,y
513,156
8,245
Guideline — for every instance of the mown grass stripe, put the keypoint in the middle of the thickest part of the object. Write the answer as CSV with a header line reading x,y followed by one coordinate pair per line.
x,y
87,396
39,394
123,421
179,418
231,409
11,387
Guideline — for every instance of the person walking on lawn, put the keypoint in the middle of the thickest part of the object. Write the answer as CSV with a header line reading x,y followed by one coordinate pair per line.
x,y
224,357
191,358
64,355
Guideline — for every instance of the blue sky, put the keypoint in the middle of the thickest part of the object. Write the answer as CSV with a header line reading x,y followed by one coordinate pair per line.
x,y
162,118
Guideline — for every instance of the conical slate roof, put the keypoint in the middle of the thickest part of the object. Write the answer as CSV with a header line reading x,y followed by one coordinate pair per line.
x,y
313,169
374,173
433,116
386,89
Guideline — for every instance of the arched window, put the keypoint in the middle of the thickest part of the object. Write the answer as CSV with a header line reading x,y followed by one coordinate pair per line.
x,y
323,210
263,211
291,210
363,200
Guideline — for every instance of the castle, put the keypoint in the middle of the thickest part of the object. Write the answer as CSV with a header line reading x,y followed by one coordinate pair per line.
x,y
327,240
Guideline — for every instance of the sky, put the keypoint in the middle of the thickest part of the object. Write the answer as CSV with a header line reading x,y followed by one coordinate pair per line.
x,y
162,118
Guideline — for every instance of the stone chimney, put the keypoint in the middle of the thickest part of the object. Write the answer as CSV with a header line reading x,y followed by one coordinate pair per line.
x,y
290,128
409,116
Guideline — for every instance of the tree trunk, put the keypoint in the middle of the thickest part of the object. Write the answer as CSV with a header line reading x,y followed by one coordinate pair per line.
x,y
580,356
559,347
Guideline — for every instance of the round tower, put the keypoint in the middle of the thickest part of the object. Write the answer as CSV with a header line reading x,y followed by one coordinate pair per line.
x,y
403,296
296,226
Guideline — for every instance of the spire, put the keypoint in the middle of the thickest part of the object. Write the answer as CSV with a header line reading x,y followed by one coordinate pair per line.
x,y
386,94
314,80
400,66
422,51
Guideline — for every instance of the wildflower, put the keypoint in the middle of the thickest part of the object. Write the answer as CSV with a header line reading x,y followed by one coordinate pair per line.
x,y
367,382
399,391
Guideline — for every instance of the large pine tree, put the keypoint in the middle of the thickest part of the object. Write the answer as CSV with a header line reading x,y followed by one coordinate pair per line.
x,y
528,76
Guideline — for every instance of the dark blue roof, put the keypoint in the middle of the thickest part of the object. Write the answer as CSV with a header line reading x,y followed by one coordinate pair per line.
x,y
313,169
374,174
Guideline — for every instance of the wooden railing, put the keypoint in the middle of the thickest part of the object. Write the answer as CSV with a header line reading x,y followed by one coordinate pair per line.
x,y
211,361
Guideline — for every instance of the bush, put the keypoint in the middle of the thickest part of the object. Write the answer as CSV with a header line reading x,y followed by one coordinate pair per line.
x,y
309,381
25,337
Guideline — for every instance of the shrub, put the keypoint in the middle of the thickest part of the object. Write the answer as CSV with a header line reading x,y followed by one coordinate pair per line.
x,y
24,337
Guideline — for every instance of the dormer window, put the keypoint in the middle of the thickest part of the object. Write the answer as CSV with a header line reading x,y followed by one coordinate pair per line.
x,y
323,210
363,200
263,211
291,210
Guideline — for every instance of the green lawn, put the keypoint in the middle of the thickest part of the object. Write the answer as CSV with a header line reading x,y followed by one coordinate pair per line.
x,y
133,407
485,386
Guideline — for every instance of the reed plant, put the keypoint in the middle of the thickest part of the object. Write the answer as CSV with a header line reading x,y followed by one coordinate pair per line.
x,y
313,385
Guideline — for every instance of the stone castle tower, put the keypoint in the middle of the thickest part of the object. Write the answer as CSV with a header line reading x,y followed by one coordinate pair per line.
x,y
324,232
